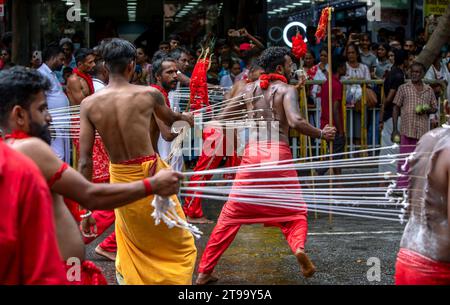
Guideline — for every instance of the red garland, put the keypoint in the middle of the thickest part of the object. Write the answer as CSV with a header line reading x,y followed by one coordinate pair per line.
x,y
199,86
164,92
323,23
265,79
299,47
87,78
17,135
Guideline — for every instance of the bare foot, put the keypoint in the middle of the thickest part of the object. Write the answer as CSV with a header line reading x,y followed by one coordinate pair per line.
x,y
203,279
308,268
109,255
201,220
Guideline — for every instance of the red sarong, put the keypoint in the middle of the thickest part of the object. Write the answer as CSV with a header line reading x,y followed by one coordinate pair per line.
x,y
213,152
100,160
413,268
292,222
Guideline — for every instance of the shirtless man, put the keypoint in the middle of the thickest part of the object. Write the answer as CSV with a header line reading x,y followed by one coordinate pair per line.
x,y
211,160
79,84
278,106
24,119
122,113
424,256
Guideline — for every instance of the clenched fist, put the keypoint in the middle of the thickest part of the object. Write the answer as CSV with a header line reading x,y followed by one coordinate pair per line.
x,y
166,182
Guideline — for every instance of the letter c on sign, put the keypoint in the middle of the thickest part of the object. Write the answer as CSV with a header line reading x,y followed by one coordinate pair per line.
x,y
288,27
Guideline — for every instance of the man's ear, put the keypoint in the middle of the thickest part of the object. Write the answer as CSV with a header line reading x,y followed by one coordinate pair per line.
x,y
447,108
18,116
280,69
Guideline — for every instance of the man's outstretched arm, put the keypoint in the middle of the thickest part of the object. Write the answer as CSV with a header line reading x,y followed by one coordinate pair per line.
x,y
296,121
164,113
97,196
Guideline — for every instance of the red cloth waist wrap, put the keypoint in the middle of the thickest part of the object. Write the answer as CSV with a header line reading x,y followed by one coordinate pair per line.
x,y
413,268
236,211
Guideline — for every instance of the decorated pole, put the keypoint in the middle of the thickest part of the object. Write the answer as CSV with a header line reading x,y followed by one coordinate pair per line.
x,y
325,26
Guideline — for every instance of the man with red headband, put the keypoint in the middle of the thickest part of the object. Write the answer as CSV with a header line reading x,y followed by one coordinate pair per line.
x,y
424,256
24,118
280,109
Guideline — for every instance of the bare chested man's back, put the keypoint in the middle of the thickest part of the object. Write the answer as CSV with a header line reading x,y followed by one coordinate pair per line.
x,y
274,103
122,114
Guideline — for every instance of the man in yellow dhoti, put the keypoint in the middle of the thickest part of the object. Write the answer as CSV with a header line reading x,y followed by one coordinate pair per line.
x,y
121,113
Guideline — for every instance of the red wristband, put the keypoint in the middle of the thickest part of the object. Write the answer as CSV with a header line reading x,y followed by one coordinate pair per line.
x,y
148,187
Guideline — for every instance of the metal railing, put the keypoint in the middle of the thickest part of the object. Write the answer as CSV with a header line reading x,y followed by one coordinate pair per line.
x,y
304,146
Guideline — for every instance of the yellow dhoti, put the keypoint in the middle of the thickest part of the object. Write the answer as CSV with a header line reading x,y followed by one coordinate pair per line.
x,y
149,254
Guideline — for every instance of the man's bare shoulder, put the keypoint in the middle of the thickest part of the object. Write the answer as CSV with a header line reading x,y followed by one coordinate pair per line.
x,y
155,94
32,146
37,150
73,78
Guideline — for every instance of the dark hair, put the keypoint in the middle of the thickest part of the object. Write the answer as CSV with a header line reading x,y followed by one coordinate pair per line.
x,y
118,53
67,70
18,86
338,61
176,54
273,57
82,53
159,55
312,54
366,35
358,55
68,43
51,51
385,46
158,63
164,42
175,37
418,64
248,55
400,56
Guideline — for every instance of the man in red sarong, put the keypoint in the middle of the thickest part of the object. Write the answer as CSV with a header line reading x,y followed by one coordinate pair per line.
x,y
280,109
28,248
212,156
424,256
24,115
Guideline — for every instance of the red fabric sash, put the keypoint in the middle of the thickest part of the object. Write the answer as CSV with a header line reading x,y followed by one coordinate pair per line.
x,y
413,268
17,135
265,79
57,175
164,92
139,160
87,78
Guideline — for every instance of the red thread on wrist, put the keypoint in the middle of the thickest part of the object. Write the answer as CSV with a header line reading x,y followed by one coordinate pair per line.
x,y
148,187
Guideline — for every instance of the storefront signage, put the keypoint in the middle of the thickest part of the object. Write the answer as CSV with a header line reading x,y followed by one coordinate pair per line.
x,y
435,7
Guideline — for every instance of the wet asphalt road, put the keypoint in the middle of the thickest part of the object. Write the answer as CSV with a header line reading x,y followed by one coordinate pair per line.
x,y
261,255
